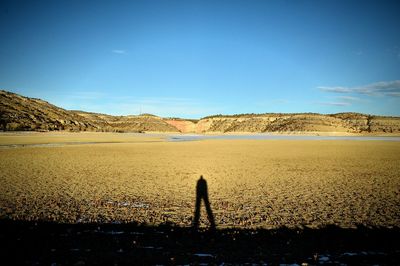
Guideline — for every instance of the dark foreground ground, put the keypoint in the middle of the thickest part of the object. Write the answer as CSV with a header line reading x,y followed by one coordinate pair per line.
x,y
45,243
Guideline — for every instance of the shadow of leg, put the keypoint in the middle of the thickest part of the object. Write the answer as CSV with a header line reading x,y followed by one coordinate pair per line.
x,y
197,213
209,213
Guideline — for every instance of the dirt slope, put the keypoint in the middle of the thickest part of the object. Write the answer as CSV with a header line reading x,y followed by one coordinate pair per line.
x,y
185,126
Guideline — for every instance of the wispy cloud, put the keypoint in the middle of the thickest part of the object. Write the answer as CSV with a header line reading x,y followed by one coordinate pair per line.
x,y
118,51
334,103
383,88
348,98
394,94
335,89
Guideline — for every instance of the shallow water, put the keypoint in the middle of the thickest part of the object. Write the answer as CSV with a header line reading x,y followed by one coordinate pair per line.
x,y
276,137
197,137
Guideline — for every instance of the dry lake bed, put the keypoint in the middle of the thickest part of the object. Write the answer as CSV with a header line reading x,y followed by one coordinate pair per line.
x,y
106,177
104,198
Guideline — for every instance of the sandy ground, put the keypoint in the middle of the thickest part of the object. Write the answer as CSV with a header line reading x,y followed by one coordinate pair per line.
x,y
252,183
29,138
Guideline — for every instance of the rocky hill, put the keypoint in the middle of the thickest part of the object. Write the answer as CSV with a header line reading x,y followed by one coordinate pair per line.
x,y
130,123
22,113
307,122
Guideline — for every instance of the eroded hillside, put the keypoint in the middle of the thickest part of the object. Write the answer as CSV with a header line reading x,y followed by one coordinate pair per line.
x,y
22,113
343,122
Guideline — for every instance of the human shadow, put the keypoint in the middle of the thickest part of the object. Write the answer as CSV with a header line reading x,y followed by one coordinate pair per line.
x,y
202,195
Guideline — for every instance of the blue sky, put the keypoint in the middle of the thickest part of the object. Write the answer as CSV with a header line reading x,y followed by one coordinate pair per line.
x,y
196,58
